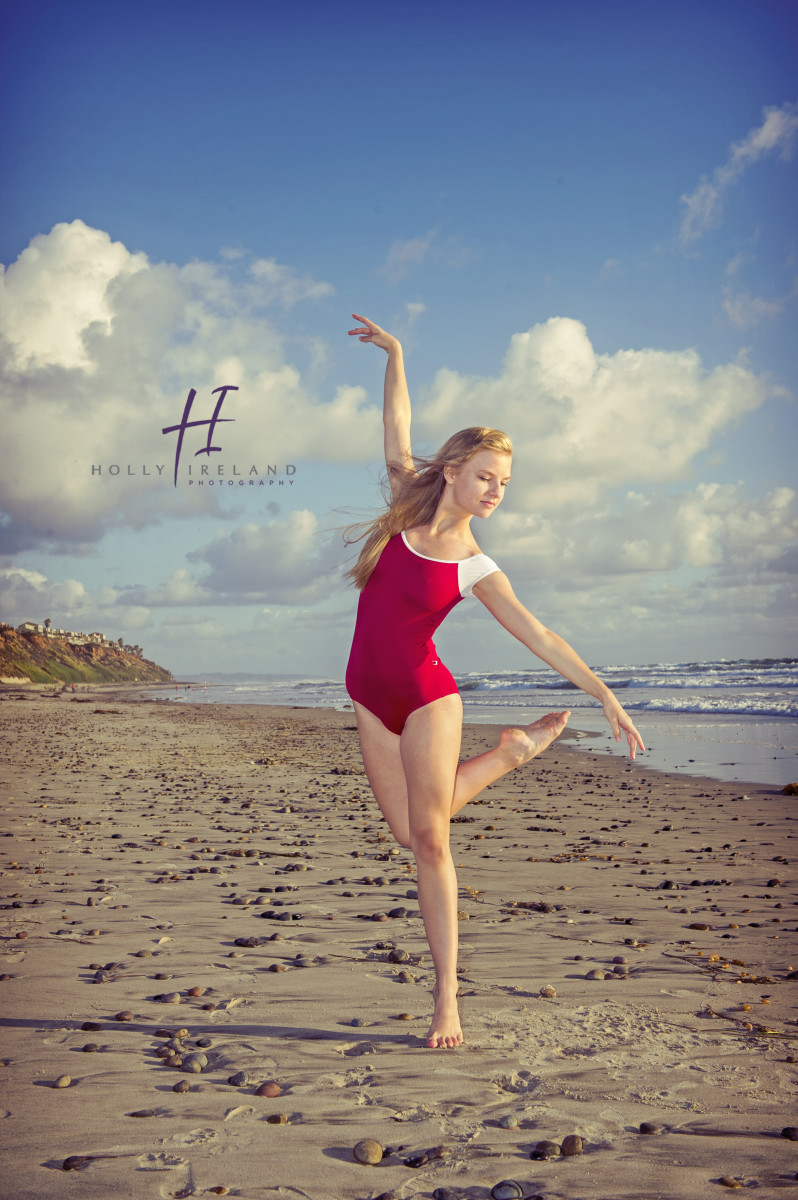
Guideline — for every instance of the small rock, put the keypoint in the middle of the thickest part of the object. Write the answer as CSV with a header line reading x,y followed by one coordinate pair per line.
x,y
444,1193
142,1112
507,1189
171,998
90,1027
545,1150
730,1182
278,1119
595,974
509,1122
650,1127
442,1151
124,1016
239,1079
572,1144
90,1048
398,956
269,1089
62,1081
790,1132
76,1162
548,991
417,1160
204,1042
182,1085
367,1151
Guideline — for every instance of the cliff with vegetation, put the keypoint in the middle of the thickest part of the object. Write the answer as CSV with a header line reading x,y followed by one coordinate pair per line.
x,y
41,659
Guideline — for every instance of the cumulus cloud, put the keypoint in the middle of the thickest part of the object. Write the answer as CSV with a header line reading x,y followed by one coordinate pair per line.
x,y
101,349
290,561
25,595
713,525
584,424
704,206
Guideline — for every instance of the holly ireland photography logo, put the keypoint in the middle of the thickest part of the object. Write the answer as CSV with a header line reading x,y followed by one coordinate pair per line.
x,y
210,474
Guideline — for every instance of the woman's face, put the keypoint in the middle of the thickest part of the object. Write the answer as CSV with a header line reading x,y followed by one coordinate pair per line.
x,y
478,485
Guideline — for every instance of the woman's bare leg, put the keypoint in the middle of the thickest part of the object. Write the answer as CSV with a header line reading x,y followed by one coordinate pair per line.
x,y
430,746
516,747
383,762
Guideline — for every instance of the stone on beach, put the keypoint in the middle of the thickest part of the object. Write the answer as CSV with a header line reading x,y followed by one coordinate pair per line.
x,y
367,1151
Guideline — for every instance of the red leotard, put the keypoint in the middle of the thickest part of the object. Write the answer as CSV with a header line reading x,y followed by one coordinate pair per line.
x,y
393,666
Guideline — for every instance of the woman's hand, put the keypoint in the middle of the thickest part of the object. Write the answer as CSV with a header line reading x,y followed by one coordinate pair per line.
x,y
620,720
369,332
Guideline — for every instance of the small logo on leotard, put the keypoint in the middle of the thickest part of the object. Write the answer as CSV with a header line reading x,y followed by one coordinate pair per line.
x,y
434,662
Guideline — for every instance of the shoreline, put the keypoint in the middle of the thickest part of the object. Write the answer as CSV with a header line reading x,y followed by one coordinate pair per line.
x,y
584,741
144,840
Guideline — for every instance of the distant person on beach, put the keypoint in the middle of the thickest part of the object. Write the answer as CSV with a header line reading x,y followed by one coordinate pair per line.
x,y
418,560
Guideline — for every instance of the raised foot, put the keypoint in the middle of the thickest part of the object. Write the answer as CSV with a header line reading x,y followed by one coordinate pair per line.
x,y
521,745
445,1032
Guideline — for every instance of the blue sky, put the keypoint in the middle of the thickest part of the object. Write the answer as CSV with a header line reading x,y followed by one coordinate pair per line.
x,y
578,216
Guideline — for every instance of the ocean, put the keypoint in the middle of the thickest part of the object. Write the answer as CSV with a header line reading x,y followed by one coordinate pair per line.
x,y
727,719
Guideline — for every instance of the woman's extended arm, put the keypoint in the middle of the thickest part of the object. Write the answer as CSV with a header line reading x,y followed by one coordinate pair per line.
x,y
396,406
497,595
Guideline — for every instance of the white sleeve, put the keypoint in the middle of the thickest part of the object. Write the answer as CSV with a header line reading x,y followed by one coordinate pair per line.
x,y
471,570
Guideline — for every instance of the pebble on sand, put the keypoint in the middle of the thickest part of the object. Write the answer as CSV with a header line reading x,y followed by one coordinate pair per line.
x,y
182,1085
545,1149
548,991
278,1119
269,1089
507,1189
124,1016
650,1127
508,1122
444,1193
367,1151
730,1182
572,1144
62,1081
239,1079
790,1132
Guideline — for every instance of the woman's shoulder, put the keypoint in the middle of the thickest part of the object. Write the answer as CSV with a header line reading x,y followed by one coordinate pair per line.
x,y
450,550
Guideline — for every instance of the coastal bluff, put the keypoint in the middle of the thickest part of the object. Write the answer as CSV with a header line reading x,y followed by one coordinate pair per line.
x,y
33,658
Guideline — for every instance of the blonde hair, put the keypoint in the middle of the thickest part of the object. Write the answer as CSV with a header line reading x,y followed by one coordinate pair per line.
x,y
418,496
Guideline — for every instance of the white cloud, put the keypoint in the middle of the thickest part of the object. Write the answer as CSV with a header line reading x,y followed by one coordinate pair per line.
x,y
404,255
103,347
24,596
745,310
290,561
713,526
584,424
704,206
280,284
58,289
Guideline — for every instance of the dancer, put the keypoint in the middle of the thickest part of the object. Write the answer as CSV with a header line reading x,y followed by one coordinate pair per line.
x,y
418,560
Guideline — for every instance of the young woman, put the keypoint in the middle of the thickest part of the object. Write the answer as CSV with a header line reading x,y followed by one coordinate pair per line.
x,y
419,559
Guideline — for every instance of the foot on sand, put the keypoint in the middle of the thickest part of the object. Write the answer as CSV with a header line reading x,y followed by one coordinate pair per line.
x,y
445,1032
521,745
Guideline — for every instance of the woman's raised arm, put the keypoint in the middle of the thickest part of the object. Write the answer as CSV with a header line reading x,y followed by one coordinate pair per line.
x,y
396,405
497,595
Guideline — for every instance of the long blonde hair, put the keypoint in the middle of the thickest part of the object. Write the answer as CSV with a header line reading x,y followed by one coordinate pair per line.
x,y
418,495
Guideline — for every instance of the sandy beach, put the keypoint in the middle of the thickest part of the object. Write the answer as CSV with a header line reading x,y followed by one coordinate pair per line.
x,y
627,938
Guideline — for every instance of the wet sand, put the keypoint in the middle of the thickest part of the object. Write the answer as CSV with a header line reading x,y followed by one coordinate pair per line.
x,y
142,842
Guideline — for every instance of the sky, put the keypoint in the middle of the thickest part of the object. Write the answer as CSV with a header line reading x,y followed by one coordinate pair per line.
x,y
578,216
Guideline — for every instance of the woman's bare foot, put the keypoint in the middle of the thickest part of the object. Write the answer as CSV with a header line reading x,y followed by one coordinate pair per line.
x,y
444,1032
521,745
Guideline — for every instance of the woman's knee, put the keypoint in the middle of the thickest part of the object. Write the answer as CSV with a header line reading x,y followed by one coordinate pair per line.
x,y
430,844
